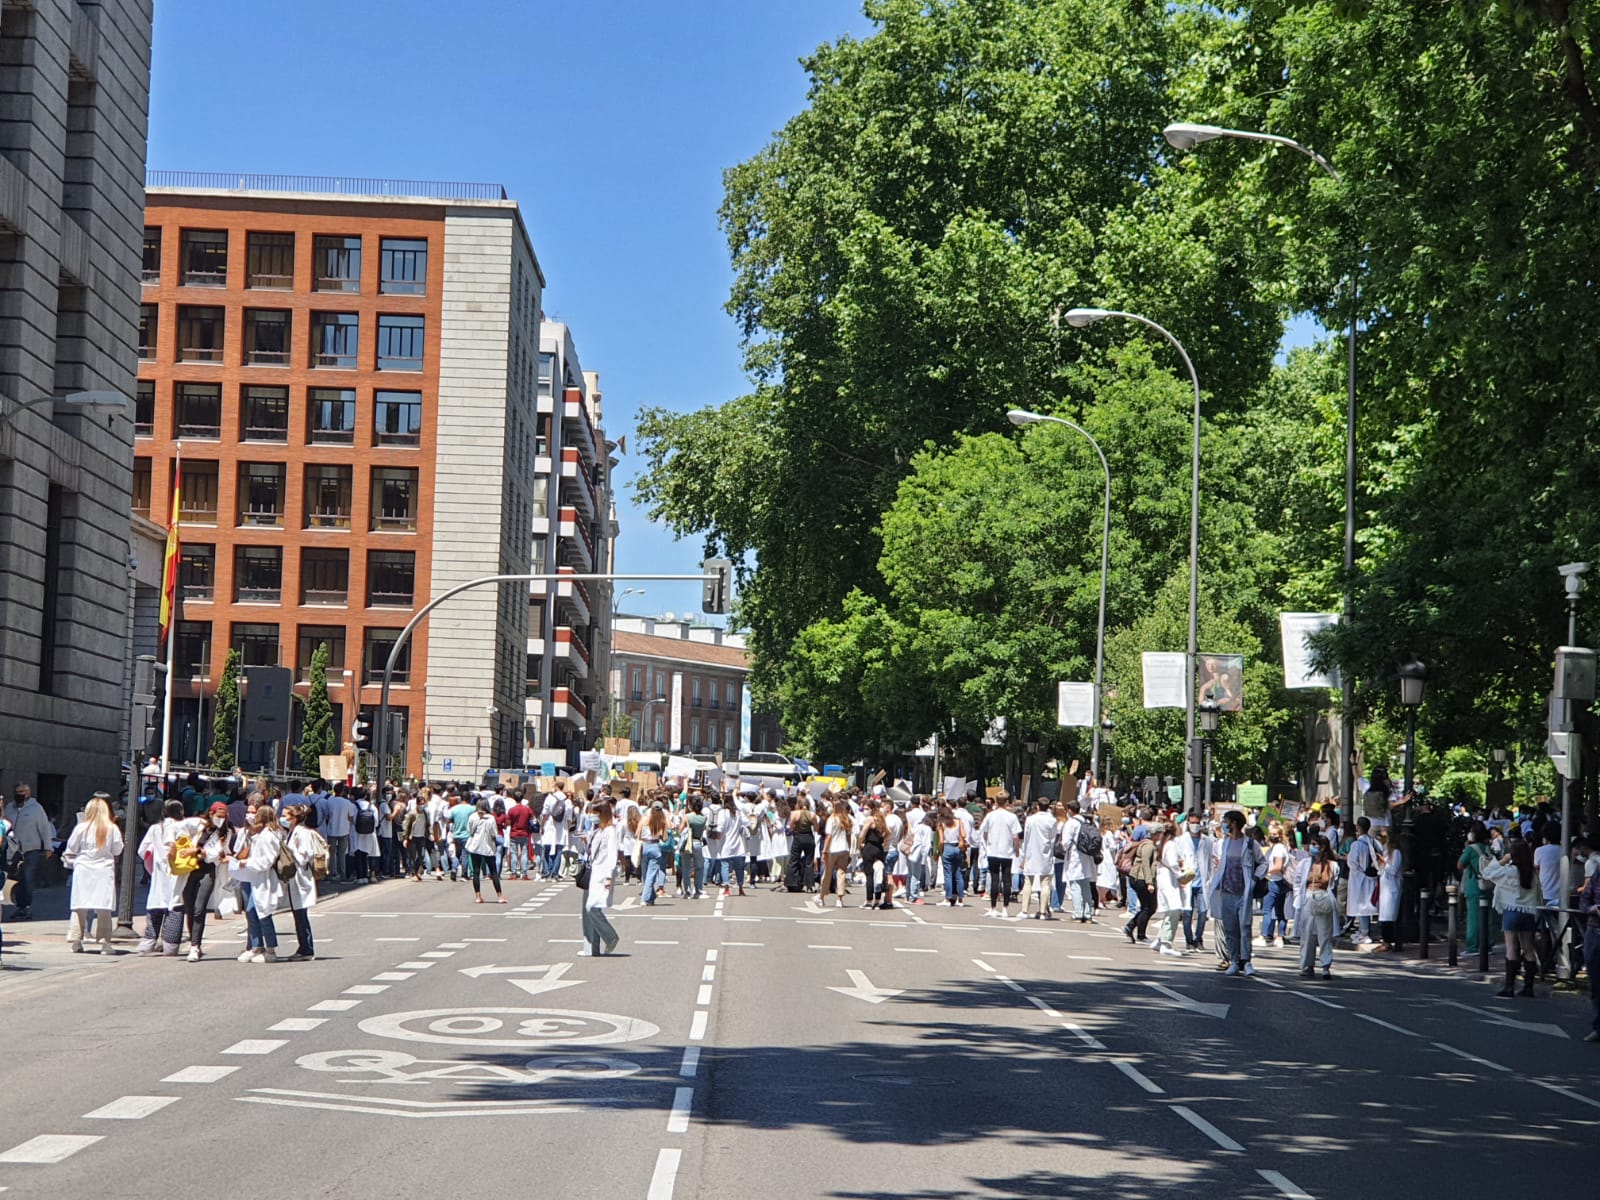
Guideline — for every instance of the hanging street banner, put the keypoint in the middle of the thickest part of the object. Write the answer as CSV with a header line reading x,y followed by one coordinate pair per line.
x,y
1163,680
1222,681
1298,629
1075,705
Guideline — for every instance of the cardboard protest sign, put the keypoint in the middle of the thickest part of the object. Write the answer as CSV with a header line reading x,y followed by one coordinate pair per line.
x,y
1110,816
618,747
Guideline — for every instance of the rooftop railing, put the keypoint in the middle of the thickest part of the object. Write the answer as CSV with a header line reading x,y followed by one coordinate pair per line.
x,y
333,185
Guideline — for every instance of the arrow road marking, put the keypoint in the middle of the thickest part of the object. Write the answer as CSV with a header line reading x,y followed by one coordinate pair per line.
x,y
1220,1011
862,989
1484,1014
550,976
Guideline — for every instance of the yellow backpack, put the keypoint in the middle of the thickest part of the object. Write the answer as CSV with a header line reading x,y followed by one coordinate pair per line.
x,y
183,858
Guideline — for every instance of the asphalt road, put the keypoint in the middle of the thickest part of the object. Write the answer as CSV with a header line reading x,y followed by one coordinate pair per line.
x,y
759,1046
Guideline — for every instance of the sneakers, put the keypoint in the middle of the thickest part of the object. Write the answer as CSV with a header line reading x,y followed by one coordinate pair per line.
x,y
1308,973
253,956
1169,952
1249,968
1233,969
268,955
77,947
194,954
1327,974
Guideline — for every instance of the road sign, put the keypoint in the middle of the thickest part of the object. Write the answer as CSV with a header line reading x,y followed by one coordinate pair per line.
x,y
448,765
427,756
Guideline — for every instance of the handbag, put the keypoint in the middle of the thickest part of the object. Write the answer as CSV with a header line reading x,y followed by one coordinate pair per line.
x,y
582,877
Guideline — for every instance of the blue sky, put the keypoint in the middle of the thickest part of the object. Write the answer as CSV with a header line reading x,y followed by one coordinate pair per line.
x,y
609,121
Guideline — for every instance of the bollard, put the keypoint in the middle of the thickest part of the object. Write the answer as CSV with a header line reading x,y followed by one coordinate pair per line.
x,y
1422,924
1485,899
1452,894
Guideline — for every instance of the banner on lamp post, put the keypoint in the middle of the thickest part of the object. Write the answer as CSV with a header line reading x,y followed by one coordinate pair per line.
x,y
1075,705
1221,681
1164,682
1298,628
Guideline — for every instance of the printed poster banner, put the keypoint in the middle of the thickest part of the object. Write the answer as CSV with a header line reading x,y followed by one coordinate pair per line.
x,y
746,715
1297,629
1221,680
1075,705
675,733
1163,680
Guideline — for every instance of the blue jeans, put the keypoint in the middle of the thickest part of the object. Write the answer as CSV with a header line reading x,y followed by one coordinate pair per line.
x,y
519,856
955,880
1272,918
549,861
654,877
913,880
728,868
262,932
1233,913
1195,931
1082,898
22,893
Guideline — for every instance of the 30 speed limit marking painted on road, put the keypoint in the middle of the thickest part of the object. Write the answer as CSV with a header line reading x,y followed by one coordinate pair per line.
x,y
517,1028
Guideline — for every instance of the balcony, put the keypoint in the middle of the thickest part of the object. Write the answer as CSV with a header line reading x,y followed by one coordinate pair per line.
x,y
575,548
566,706
571,652
575,416
581,491
326,597
574,596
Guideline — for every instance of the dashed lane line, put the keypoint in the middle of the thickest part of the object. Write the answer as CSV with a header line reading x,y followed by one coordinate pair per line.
x,y
828,947
708,974
682,1104
704,997
130,1108
1206,1127
665,1176
412,966
1315,999
1470,1057
1138,1076
366,989
200,1075
393,976
1567,1092
257,1046
697,1027
333,1006
913,950
297,1025
691,1062
1287,1187
1387,1025
49,1148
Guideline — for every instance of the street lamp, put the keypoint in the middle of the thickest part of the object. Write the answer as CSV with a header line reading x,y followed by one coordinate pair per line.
x,y
1018,416
80,400
616,604
1185,135
1499,756
1107,728
1078,318
1413,683
1210,717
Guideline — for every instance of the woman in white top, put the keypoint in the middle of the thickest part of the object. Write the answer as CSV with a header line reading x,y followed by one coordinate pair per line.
x,y
777,838
163,928
733,848
1274,921
1174,873
1106,878
482,835
91,855
302,888
1391,879
260,889
605,845
836,853
1517,897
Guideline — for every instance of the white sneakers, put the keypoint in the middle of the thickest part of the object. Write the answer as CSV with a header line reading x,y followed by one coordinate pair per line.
x,y
247,956
1169,952
194,954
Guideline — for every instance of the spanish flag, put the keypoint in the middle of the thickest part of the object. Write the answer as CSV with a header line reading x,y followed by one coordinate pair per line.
x,y
169,572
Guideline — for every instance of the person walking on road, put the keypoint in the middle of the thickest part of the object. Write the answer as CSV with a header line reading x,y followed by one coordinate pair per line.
x,y
35,841
91,855
1142,882
1274,922
1078,869
1391,883
1516,895
605,846
482,832
1361,899
1174,872
1038,859
163,928
260,889
1001,835
952,855
301,888
1318,910
519,837
1589,913
1474,856
836,853
211,843
1235,864
652,833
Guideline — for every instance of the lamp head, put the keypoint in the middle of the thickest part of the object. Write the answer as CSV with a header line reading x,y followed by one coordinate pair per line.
x,y
1021,416
1413,680
1079,317
1185,135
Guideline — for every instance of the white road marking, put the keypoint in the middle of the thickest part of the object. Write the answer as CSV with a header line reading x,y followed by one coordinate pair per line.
x,y
333,1006
705,994
566,941
452,916
1470,1057
708,974
1315,999
48,1148
828,947
437,954
1005,954
130,1108
983,966
1044,1008
669,918
412,966
393,976
1268,983
751,920
200,1075
1385,1024
399,939
691,1062
483,939
1567,1092
1206,1127
643,942
697,1028
1285,1186
1083,1035
711,955
366,989
452,945
1010,983
1090,957
256,1046
297,1025
665,1176
913,950
758,945
682,1102
1138,1076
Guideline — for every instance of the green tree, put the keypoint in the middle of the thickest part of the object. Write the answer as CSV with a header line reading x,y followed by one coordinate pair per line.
x,y
317,734
225,721
615,724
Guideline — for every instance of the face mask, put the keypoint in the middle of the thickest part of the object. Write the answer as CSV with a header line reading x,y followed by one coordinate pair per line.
x,y
217,821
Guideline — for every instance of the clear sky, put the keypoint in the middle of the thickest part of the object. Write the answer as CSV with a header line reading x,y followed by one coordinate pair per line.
x,y
609,121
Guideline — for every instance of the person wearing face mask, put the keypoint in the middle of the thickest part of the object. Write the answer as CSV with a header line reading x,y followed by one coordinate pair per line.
x,y
91,854
211,841
1318,911
1198,847
1474,857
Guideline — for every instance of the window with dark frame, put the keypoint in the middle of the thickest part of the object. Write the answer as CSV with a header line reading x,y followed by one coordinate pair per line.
x,y
197,572
197,503
144,408
149,329
335,263
205,257
400,343
261,494
269,261
197,410
200,333
375,654
191,652
397,418
151,272
331,416
257,644
266,337
394,498
141,487
263,414
328,487
335,340
391,578
403,266
312,636
324,577
257,574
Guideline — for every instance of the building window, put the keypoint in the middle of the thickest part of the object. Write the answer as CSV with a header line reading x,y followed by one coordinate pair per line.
x,y
257,645
149,329
397,418
375,654
141,487
732,743
394,498
266,337
694,691
191,652
312,636
400,343
538,556
197,503
324,577
713,732
694,735
258,575
659,731
391,578
264,414
152,255
331,416
197,410
547,374
197,572
200,333
732,703
269,261
144,408
261,494
403,264
205,257
328,496
541,496
335,340
335,263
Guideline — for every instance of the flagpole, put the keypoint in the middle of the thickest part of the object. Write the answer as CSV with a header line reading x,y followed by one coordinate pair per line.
x,y
172,624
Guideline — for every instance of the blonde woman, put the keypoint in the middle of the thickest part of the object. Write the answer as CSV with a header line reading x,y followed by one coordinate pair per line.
x,y
260,889
836,849
91,855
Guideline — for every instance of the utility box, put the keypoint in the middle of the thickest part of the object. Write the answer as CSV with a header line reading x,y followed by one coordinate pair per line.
x,y
1574,673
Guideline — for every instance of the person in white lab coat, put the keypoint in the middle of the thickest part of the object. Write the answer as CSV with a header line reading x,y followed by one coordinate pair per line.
x,y
605,847
1361,901
301,890
1175,871
1038,858
91,855
163,927
260,889
1391,880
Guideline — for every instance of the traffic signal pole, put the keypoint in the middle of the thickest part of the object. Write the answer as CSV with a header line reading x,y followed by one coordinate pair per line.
x,y
718,572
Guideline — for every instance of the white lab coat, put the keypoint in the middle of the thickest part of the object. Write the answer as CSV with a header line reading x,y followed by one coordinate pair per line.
x,y
604,848
302,889
94,868
166,890
1038,844
1390,884
1175,860
1359,900
1078,865
259,871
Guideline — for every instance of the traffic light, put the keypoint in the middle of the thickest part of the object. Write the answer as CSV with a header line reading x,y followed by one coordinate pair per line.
x,y
361,733
716,591
149,700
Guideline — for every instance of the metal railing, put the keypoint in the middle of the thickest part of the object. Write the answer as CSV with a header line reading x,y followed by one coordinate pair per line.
x,y
331,184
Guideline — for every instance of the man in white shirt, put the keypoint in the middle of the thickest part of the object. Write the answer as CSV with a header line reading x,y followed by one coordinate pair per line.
x,y
1001,835
1038,858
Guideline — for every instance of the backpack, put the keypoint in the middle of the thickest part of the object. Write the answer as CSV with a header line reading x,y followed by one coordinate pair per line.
x,y
1125,858
319,856
366,820
285,865
182,856
1089,841
558,810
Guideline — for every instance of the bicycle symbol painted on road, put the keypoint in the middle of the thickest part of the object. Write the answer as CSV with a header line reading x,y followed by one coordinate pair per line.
x,y
516,1028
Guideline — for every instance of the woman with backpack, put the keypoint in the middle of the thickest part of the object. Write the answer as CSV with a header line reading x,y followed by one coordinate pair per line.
x,y
200,885
482,832
163,929
300,884
260,888
91,855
